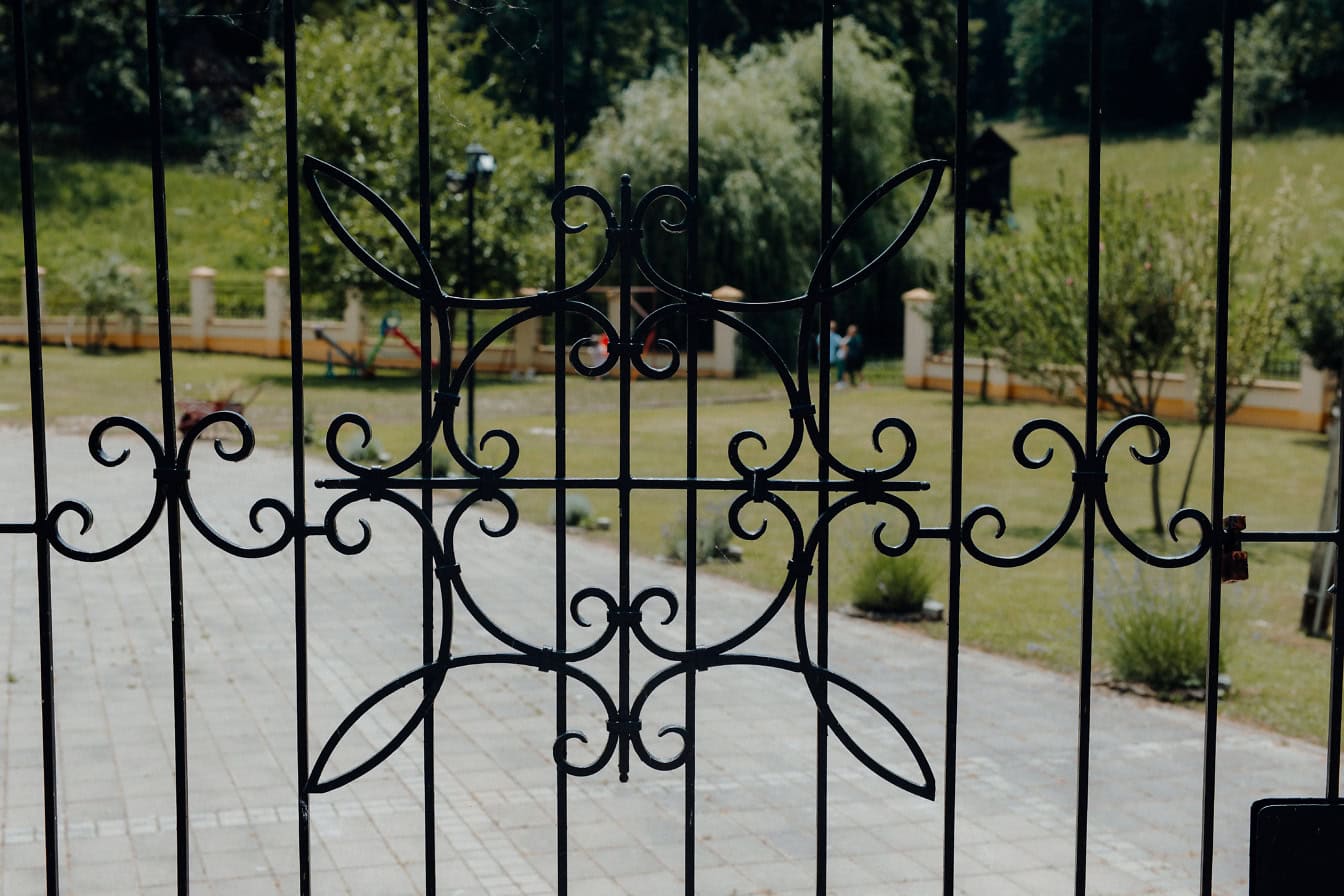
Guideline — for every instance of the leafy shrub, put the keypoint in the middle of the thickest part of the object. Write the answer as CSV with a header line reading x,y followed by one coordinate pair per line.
x,y
1159,635
578,510
1316,316
712,536
893,585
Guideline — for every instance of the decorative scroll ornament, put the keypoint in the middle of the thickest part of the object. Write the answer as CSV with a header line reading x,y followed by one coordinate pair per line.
x,y
173,479
756,482
613,616
1089,479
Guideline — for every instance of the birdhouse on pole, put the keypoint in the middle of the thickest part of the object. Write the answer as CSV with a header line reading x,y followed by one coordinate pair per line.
x,y
989,182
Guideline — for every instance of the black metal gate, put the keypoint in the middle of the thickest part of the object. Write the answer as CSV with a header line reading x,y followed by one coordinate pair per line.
x,y
625,211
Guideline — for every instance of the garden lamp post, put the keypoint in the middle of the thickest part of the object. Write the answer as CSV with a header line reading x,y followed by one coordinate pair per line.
x,y
480,165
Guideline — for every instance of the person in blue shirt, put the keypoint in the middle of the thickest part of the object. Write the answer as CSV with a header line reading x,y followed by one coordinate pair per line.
x,y
837,361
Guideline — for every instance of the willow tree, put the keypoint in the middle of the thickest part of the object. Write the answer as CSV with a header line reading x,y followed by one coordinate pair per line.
x,y
760,174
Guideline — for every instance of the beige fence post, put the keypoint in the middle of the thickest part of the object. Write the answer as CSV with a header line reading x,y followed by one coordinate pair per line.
x,y
202,292
1316,397
275,301
725,337
41,292
918,342
354,321
526,337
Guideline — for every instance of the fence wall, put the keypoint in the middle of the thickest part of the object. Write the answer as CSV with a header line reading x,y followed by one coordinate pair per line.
x,y
1303,403
268,336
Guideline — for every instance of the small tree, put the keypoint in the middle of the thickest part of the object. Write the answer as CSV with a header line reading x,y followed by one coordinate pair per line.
x,y
759,168
1158,269
1034,301
110,289
1316,320
1257,301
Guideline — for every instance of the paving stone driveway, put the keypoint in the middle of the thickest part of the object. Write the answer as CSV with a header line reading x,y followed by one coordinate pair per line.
x,y
494,781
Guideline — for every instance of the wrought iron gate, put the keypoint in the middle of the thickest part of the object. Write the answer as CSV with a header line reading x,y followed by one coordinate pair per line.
x,y
625,623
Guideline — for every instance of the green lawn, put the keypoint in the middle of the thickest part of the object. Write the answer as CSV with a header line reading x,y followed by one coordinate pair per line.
x,y
1274,477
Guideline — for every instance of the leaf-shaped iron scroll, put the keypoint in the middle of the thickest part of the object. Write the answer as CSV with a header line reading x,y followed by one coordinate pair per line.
x,y
935,168
427,284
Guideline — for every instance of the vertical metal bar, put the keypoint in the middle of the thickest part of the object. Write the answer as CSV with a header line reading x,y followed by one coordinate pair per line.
x,y
427,580
33,307
959,175
1336,665
1219,450
173,503
561,544
824,414
296,440
692,411
470,291
1336,645
624,327
1098,12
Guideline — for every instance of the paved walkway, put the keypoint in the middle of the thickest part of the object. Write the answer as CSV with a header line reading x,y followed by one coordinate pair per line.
x,y
494,780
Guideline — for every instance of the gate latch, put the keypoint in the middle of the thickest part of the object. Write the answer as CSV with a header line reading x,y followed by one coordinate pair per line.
x,y
1235,567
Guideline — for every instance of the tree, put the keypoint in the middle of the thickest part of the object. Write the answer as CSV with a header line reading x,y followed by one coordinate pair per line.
x,y
1316,317
760,177
1289,58
1153,69
612,43
608,44
1157,274
357,109
90,71
1048,45
1257,302
990,86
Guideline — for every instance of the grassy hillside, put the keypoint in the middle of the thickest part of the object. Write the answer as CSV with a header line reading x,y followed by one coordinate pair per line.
x,y
1179,163
88,210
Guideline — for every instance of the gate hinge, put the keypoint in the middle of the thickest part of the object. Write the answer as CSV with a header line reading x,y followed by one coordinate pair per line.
x,y
1235,566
